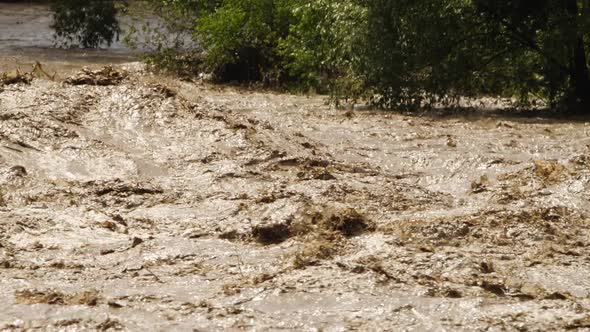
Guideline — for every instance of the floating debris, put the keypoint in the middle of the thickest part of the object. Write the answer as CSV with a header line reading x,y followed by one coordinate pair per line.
x,y
15,77
106,76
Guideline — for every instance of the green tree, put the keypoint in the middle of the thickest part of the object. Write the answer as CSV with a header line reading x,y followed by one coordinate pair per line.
x,y
323,47
400,53
430,50
556,33
237,40
163,34
300,43
87,24
241,38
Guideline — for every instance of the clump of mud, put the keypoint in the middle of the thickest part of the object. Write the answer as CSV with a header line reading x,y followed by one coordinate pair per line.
x,y
15,77
317,250
550,171
480,185
322,232
23,77
107,75
347,222
33,296
271,233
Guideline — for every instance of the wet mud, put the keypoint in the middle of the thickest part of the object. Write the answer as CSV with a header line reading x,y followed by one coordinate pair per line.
x,y
147,203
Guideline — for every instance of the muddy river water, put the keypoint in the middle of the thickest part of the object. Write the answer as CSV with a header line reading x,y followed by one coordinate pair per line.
x,y
150,203
26,37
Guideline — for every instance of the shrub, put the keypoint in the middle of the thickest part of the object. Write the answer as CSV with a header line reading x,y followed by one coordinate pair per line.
x,y
400,53
298,44
162,32
241,38
324,46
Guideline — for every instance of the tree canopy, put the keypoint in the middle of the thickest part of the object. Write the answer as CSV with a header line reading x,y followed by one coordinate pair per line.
x,y
87,24
519,48
397,53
